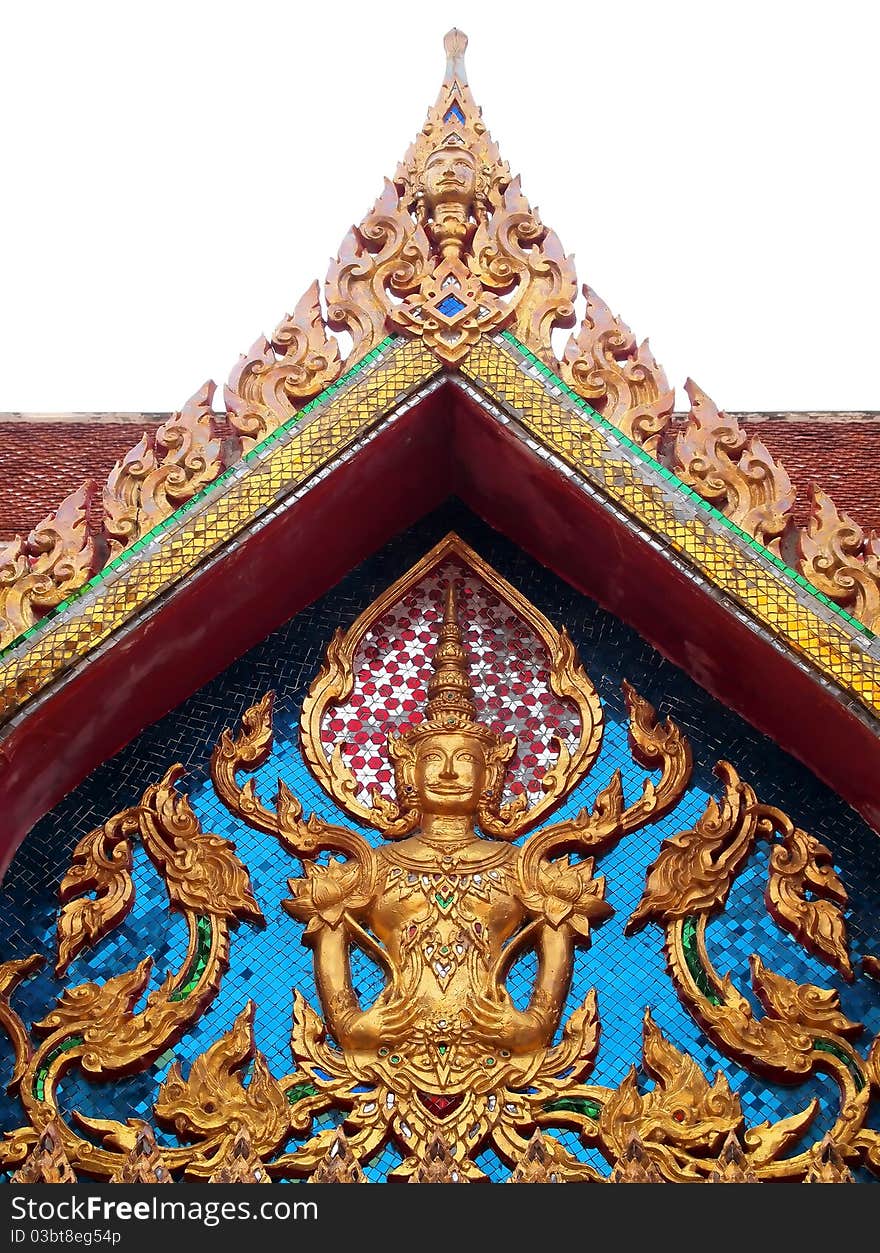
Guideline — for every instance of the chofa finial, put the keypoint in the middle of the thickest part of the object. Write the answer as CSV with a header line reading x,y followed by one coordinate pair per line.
x,y
455,43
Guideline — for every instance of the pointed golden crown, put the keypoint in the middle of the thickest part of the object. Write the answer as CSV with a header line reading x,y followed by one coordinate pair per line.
x,y
449,689
450,705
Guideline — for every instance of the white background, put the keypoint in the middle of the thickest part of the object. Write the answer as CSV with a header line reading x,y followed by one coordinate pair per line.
x,y
175,174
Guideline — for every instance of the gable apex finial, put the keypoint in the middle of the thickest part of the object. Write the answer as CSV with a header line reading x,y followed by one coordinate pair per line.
x,y
455,44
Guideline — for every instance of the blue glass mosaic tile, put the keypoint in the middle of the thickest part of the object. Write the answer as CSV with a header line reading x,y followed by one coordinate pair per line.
x,y
450,305
267,964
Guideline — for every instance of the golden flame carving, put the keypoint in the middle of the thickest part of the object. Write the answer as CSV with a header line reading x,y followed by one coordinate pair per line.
x,y
271,381
162,472
57,558
444,1064
840,560
101,864
713,455
619,378
447,254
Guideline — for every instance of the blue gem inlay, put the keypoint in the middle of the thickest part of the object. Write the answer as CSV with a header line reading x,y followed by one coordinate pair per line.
x,y
450,305
454,111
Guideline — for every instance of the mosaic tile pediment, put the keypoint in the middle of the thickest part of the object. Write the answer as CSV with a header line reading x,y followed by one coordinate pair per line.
x,y
407,995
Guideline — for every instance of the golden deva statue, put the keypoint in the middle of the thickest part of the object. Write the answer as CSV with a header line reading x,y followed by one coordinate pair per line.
x,y
450,899
446,900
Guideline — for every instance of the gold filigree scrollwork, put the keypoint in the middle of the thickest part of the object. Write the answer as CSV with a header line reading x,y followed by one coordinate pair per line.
x,y
619,378
57,558
162,472
276,377
452,249
97,892
212,1103
801,1031
383,259
245,753
201,871
695,869
735,473
837,557
802,1028
444,1065
12,973
514,251
804,892
94,1026
444,1041
681,1123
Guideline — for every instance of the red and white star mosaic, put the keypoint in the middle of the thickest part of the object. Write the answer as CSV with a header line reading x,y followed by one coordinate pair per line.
x,y
509,667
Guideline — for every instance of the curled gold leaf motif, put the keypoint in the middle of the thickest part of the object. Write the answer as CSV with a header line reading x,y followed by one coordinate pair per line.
x,y
619,378
442,1063
696,868
837,557
12,973
714,456
166,469
101,864
799,865
276,377
57,558
681,1122
247,752
201,871
213,1103
121,495
94,1026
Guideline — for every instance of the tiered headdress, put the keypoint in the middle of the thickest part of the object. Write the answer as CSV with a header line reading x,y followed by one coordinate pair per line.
x,y
450,705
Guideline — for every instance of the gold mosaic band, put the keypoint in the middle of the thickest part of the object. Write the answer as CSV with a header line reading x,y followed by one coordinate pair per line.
x,y
596,453
191,535
289,457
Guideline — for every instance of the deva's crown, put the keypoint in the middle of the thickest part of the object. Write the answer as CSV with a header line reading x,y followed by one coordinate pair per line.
x,y
450,705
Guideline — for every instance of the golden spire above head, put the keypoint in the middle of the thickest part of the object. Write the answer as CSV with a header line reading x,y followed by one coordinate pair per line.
x,y
450,695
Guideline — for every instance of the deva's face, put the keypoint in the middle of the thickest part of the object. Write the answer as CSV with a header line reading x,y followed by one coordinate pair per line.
x,y
450,175
450,772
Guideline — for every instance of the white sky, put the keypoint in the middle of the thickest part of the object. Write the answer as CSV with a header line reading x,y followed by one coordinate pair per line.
x,y
175,174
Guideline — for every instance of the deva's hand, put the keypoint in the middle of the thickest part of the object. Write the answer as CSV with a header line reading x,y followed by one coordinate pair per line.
x,y
502,1026
383,1024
